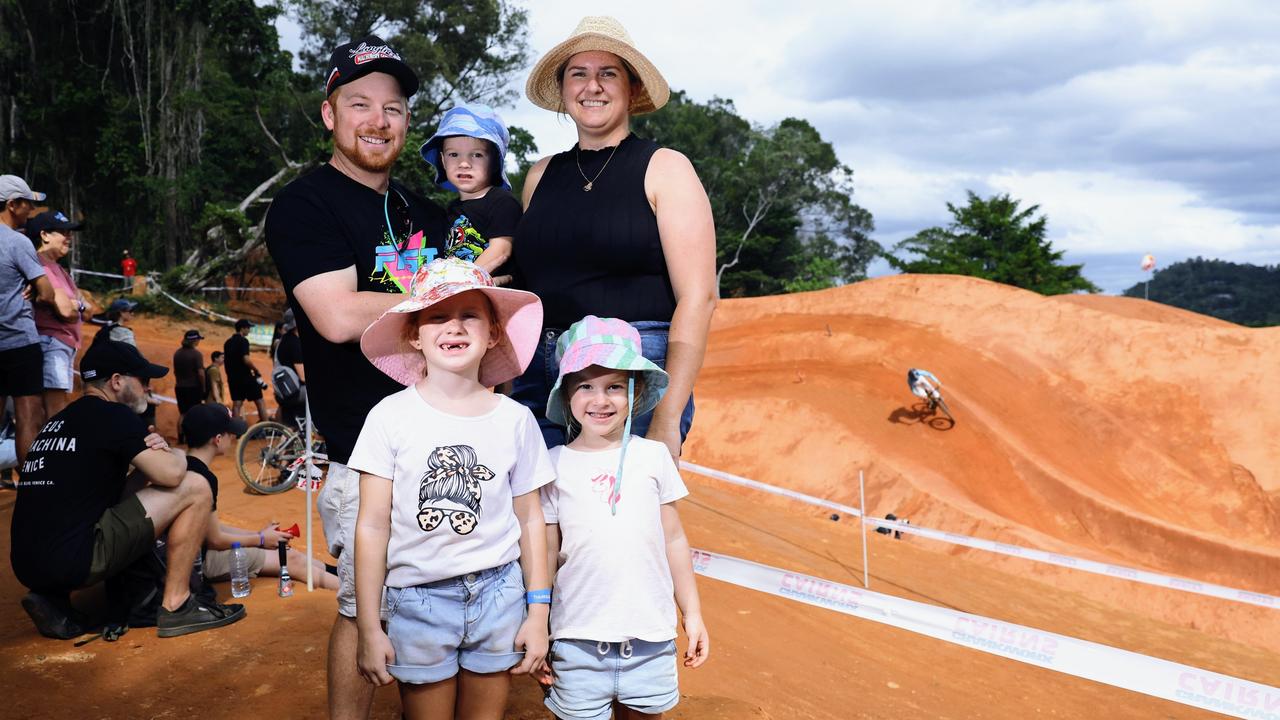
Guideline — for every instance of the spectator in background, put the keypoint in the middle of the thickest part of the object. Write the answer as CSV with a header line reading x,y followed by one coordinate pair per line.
x,y
128,268
74,524
211,432
242,376
59,322
289,353
188,375
21,361
119,315
214,389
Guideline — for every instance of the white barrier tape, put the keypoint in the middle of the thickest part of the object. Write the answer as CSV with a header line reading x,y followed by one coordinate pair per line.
x,y
1067,561
206,313
80,271
1092,661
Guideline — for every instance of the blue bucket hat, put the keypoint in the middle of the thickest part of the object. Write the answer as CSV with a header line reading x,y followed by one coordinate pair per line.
x,y
470,120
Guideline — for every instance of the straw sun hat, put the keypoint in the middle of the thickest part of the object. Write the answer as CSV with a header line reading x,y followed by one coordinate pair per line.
x,y
597,32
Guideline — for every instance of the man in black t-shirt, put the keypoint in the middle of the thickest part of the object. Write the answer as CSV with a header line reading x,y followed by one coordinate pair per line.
x,y
242,376
71,526
347,240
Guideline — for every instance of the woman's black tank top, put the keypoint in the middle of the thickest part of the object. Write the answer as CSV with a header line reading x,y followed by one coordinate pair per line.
x,y
598,252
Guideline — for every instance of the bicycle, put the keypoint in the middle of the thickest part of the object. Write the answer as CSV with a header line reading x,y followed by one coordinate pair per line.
x,y
271,457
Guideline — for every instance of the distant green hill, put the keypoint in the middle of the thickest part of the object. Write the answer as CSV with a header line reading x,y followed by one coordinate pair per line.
x,y
1238,293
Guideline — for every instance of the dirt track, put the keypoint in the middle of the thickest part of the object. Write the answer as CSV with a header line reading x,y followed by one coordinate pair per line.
x,y
1097,426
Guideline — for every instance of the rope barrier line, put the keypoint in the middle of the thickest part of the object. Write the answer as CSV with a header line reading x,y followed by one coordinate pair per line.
x,y
1124,669
81,271
1092,566
206,313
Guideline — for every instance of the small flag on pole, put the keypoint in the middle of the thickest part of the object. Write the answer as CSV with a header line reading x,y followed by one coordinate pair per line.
x,y
1148,262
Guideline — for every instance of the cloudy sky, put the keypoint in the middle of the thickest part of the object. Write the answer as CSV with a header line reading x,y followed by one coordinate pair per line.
x,y
1137,127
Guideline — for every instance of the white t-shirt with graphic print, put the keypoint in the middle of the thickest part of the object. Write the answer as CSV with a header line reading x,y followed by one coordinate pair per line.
x,y
453,480
614,582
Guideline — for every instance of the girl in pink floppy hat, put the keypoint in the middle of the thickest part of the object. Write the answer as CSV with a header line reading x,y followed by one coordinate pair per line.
x,y
450,520
617,551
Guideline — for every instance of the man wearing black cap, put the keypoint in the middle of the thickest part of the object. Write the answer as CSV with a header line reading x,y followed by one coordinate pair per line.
x,y
72,528
346,240
21,361
188,375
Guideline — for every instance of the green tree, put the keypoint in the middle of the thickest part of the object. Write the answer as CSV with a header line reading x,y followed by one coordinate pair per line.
x,y
1235,292
782,201
996,240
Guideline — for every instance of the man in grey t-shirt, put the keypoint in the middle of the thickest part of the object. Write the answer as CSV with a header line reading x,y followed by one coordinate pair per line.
x,y
21,360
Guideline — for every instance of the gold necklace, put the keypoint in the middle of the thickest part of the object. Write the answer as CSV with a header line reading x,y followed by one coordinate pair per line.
x,y
577,158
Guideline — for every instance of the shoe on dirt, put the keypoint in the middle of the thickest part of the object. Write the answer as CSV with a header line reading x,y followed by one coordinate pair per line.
x,y
195,615
52,616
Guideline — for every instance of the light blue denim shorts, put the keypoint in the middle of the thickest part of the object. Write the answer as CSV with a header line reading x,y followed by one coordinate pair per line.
x,y
590,675
468,621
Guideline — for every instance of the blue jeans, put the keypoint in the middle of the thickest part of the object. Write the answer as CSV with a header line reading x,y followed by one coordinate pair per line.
x,y
531,388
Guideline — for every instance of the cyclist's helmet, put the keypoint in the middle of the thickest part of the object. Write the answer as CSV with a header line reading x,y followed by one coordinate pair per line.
x,y
912,376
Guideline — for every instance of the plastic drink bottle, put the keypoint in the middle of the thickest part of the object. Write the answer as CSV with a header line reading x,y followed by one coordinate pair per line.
x,y
239,571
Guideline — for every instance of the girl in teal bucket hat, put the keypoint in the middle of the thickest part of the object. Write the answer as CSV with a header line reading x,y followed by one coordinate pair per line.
x,y
619,556
468,152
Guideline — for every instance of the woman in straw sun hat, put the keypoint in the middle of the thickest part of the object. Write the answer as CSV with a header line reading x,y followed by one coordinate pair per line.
x,y
615,226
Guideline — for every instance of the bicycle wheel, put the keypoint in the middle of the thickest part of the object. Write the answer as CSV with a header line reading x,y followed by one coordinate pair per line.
x,y
942,405
264,455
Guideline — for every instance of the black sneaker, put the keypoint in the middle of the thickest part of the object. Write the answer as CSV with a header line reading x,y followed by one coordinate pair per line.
x,y
194,616
52,616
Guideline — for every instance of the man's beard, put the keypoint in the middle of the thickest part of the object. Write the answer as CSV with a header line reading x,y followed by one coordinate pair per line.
x,y
360,156
135,402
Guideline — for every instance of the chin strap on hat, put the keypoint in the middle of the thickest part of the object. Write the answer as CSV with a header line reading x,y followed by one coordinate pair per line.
x,y
626,438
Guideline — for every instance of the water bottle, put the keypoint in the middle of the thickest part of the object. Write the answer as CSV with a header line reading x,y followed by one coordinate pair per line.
x,y
239,571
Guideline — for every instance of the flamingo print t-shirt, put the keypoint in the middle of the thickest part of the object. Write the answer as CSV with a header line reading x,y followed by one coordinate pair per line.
x,y
613,582
453,480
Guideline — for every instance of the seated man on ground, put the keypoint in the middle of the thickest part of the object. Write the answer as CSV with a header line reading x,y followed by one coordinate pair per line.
x,y
211,431
73,524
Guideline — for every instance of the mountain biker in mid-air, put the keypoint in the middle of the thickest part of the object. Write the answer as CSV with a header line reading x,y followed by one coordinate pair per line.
x,y
919,382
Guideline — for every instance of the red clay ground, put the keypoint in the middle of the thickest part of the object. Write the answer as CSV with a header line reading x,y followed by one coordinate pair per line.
x,y
1103,427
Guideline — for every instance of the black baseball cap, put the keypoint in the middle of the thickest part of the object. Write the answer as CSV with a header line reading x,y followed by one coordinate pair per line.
x,y
367,55
201,423
108,357
49,221
242,324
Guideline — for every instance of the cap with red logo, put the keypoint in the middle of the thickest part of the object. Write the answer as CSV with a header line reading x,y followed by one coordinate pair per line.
x,y
368,55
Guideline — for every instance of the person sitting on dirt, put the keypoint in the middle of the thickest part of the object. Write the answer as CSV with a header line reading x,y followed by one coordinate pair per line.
x,y
211,431
897,534
73,523
918,381
119,313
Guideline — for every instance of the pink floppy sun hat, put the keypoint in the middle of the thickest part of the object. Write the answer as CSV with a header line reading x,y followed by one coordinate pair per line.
x,y
517,311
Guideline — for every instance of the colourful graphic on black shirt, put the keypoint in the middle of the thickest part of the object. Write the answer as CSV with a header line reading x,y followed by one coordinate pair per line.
x,y
394,266
464,241
452,479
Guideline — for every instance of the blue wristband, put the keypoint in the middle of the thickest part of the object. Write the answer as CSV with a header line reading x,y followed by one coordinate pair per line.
x,y
535,597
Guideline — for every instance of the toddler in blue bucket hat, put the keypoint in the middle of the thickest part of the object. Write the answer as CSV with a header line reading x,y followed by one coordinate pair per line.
x,y
469,153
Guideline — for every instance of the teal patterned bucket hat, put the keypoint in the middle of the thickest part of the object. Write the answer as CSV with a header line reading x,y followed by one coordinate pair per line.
x,y
609,343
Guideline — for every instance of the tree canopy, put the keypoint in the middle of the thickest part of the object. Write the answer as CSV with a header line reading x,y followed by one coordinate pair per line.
x,y
994,239
782,201
1235,292
166,124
